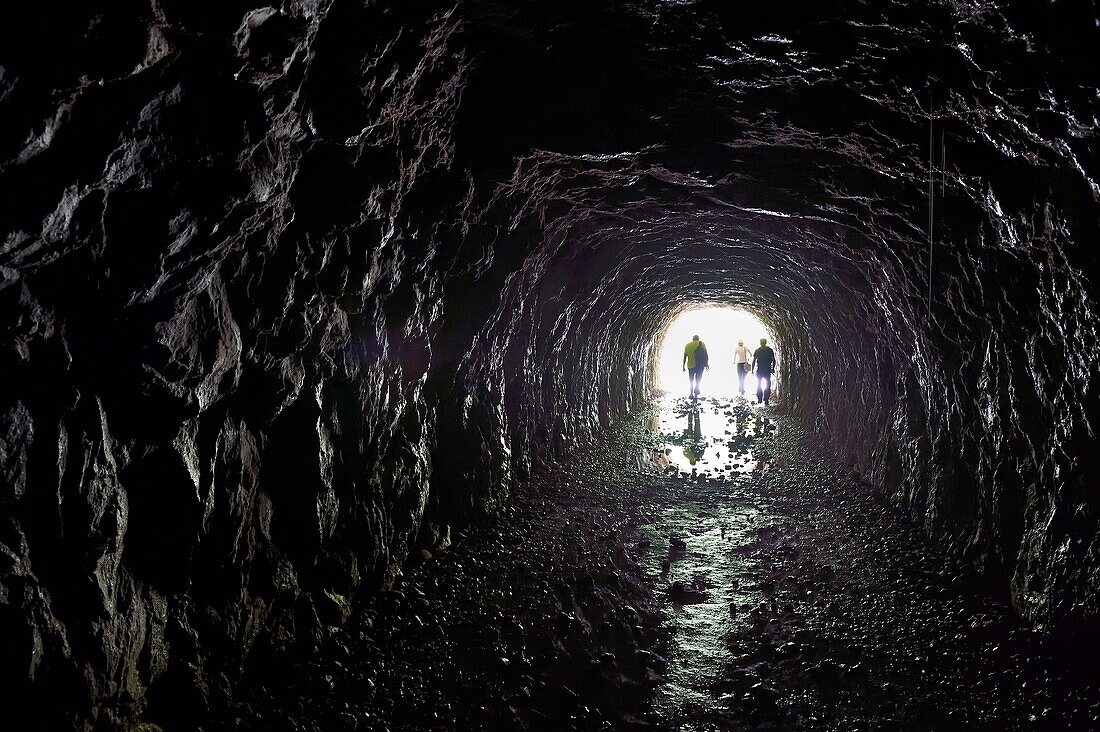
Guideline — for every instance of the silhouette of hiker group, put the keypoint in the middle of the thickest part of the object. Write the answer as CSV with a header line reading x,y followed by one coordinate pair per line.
x,y
696,360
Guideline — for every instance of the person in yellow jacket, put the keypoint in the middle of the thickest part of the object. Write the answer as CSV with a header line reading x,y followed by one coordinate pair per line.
x,y
695,361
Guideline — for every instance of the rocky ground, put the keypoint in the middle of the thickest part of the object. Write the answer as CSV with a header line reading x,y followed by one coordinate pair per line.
x,y
699,568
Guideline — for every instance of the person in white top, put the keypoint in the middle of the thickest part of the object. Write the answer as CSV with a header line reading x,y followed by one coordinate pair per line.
x,y
741,358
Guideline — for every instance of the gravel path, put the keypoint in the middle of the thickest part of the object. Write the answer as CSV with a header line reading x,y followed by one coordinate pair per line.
x,y
702,567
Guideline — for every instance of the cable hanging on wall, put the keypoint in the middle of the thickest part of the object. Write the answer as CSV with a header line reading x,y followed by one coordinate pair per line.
x,y
932,186
931,195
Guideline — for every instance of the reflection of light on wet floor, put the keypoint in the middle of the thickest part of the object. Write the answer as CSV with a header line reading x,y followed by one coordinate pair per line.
x,y
717,527
710,438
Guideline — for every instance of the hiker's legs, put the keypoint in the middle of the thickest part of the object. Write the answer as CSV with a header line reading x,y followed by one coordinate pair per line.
x,y
695,376
764,390
741,372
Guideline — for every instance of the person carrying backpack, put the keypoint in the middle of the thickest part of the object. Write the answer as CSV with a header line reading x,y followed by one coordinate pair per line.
x,y
695,361
741,360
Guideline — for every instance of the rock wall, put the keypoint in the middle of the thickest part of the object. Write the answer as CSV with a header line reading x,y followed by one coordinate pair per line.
x,y
220,280
288,291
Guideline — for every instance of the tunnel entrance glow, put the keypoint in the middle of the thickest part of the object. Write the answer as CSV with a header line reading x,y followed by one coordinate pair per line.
x,y
720,328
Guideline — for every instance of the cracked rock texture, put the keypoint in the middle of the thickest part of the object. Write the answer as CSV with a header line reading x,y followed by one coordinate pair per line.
x,y
289,291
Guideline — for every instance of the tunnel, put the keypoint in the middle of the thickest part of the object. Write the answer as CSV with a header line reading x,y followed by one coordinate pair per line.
x,y
303,303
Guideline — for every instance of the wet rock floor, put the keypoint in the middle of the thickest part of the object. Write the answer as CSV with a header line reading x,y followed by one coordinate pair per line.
x,y
702,567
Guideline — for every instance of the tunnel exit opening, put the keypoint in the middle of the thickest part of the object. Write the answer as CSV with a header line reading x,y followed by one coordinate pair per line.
x,y
720,328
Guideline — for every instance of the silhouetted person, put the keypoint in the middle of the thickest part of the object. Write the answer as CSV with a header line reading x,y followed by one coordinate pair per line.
x,y
741,358
763,363
695,360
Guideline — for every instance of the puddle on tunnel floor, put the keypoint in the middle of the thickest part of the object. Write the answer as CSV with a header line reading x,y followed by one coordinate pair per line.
x,y
789,599
700,534
709,439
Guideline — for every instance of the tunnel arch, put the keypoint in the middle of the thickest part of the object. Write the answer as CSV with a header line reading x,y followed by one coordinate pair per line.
x,y
352,280
648,272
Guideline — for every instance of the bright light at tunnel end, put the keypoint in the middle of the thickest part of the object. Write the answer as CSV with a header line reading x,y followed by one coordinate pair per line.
x,y
720,328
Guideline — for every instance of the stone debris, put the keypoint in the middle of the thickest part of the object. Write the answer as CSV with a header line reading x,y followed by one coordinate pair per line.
x,y
800,604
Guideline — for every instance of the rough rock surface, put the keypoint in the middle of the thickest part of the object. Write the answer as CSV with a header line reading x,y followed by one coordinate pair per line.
x,y
541,618
290,291
776,594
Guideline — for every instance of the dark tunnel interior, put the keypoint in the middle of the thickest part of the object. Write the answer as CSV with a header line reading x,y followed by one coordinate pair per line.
x,y
290,293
